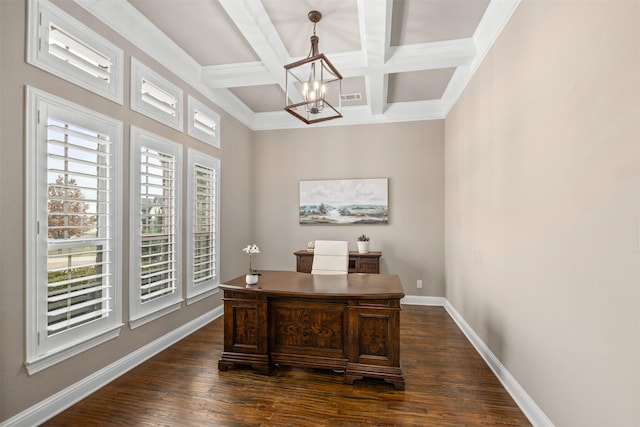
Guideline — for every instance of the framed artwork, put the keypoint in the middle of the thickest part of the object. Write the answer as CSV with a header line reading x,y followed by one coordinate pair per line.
x,y
344,201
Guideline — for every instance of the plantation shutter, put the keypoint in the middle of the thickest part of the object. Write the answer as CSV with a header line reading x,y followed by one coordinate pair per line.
x,y
204,224
79,54
80,271
158,98
204,123
158,224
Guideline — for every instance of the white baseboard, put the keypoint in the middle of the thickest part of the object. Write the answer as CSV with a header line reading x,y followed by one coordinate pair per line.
x,y
62,400
518,394
418,300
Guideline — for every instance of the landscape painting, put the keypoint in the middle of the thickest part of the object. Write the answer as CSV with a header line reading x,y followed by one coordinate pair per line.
x,y
344,201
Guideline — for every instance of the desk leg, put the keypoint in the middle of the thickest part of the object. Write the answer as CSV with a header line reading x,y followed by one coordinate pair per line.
x,y
391,374
245,332
374,344
259,363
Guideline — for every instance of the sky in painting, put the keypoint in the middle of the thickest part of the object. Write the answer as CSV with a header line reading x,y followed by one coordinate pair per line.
x,y
344,192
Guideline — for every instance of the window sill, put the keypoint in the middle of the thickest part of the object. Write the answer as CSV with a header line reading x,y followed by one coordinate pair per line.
x,y
47,360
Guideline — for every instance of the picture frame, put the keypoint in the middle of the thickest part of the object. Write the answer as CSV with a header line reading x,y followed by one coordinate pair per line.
x,y
344,201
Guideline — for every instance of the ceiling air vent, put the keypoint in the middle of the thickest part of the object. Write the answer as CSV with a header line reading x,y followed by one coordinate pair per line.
x,y
351,97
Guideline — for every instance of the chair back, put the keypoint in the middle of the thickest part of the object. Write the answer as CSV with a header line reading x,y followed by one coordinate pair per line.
x,y
330,257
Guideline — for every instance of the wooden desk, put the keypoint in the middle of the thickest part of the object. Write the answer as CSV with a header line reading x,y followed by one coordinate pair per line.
x,y
347,322
358,263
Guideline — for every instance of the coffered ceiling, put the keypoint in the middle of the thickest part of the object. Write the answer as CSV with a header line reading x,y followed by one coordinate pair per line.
x,y
401,60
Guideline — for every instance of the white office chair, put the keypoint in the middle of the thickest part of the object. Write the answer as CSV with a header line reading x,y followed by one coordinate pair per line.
x,y
330,257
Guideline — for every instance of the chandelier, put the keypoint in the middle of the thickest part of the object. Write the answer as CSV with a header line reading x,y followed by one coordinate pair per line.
x,y
313,85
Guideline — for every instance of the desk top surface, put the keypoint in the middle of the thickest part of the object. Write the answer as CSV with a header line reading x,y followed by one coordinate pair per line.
x,y
291,283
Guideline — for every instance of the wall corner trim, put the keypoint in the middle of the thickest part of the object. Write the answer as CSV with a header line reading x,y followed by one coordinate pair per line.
x,y
526,404
53,405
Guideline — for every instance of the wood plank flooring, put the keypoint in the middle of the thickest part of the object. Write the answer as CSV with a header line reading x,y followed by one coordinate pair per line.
x,y
447,384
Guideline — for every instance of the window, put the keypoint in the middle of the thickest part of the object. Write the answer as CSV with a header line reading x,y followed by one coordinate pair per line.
x,y
73,217
65,47
154,96
156,180
203,256
204,123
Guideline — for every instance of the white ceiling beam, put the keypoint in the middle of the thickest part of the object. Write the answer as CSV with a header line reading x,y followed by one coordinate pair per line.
x,y
377,85
375,36
427,56
349,64
236,75
253,22
430,56
357,115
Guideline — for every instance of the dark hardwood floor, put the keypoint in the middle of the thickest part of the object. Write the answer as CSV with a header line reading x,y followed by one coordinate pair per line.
x,y
447,384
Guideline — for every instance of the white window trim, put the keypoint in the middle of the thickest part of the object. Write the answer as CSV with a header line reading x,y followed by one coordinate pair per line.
x,y
140,73
196,293
41,13
141,313
41,354
195,105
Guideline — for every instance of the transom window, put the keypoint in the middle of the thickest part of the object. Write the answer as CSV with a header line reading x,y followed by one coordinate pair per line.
x,y
65,47
155,96
204,123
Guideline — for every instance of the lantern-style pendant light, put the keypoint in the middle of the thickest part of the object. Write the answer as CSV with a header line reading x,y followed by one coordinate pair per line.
x,y
313,85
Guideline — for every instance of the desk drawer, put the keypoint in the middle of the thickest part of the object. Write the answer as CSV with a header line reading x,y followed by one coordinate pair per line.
x,y
308,327
384,303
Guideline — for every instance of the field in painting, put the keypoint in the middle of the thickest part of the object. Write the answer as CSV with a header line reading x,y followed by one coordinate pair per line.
x,y
348,214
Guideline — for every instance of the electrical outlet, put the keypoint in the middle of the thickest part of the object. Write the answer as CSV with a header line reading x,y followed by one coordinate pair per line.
x,y
419,284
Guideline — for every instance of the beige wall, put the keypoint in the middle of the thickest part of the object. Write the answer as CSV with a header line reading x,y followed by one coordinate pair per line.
x,y
542,207
18,391
409,154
